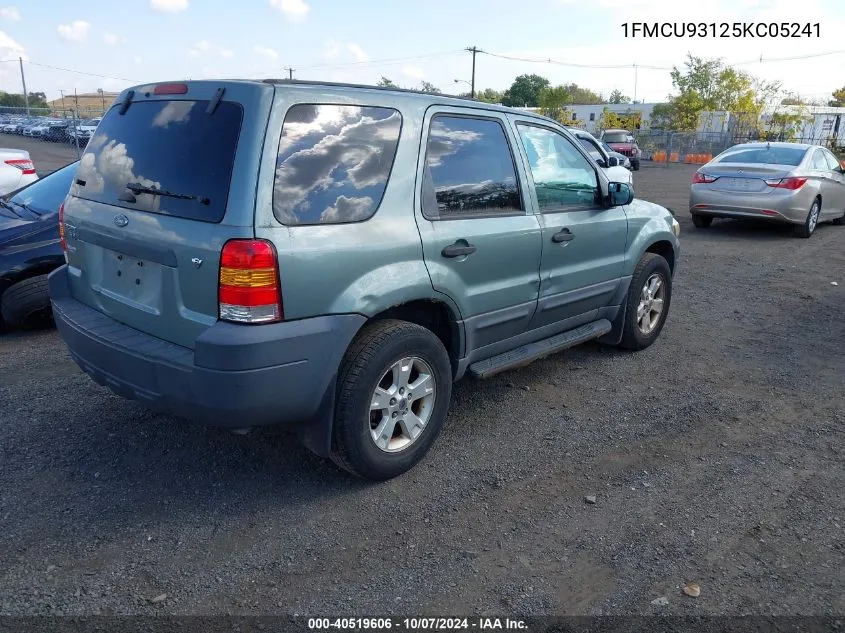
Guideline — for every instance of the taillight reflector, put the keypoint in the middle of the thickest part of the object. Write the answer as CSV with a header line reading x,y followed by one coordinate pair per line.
x,y
249,290
793,183
170,89
24,164
62,227
700,178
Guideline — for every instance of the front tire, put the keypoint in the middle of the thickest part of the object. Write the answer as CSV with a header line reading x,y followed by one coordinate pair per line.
x,y
649,296
806,229
394,388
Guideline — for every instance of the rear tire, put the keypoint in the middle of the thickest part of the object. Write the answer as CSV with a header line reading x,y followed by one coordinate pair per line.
x,y
26,304
701,221
806,229
638,308
374,423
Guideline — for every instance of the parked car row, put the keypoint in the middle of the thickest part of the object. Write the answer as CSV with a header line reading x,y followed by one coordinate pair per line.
x,y
51,129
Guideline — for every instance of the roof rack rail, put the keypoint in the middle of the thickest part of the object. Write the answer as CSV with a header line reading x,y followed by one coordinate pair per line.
x,y
336,84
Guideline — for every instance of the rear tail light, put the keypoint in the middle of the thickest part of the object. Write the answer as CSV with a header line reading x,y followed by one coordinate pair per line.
x,y
793,183
249,290
700,178
24,164
62,227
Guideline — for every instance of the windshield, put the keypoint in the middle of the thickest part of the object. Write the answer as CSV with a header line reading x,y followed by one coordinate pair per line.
x,y
618,137
46,194
166,146
764,155
90,123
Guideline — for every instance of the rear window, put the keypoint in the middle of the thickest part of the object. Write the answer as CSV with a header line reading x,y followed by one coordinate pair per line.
x,y
763,155
334,162
617,137
169,146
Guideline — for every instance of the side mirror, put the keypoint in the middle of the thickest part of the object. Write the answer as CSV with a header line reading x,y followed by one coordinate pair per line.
x,y
612,161
619,194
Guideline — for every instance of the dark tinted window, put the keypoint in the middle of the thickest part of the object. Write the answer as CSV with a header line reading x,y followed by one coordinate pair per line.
x,y
563,178
772,155
334,162
618,137
469,170
173,146
587,145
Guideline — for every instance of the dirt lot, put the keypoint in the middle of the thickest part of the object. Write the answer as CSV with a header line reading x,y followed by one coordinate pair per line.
x,y
46,156
716,456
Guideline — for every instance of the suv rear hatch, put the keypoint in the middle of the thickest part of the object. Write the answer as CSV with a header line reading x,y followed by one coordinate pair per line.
x,y
167,179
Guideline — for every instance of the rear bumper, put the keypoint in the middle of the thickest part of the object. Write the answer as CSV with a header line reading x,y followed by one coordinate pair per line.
x,y
773,206
237,375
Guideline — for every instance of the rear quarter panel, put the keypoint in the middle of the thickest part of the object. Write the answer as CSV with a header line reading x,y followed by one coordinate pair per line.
x,y
359,267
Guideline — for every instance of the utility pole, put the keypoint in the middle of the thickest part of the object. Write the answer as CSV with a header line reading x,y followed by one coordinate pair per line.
x,y
290,72
23,81
473,50
635,83
64,111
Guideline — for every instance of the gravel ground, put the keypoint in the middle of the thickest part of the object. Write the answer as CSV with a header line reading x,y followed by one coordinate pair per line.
x,y
715,456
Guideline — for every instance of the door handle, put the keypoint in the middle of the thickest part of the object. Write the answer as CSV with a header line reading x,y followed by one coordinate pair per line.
x,y
460,248
564,235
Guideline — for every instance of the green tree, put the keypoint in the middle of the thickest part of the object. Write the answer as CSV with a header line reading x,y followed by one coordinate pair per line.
x,y
14,100
525,91
426,86
583,96
662,115
838,98
617,97
488,95
553,102
384,82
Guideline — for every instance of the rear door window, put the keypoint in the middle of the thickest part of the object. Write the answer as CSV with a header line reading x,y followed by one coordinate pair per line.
x,y
819,161
469,170
167,146
334,162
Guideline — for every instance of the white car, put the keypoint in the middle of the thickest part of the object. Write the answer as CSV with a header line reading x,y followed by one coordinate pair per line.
x,y
16,170
85,129
610,164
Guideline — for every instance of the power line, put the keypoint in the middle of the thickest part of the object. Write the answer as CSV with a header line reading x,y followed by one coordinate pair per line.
x,y
82,72
570,64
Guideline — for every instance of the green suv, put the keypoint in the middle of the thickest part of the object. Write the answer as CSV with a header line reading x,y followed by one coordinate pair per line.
x,y
334,257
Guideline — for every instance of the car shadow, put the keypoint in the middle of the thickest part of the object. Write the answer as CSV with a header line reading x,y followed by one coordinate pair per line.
x,y
753,229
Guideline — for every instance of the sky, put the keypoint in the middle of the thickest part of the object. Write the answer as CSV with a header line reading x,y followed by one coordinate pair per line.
x,y
134,41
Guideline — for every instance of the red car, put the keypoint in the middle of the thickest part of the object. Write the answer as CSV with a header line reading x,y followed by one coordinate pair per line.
x,y
623,141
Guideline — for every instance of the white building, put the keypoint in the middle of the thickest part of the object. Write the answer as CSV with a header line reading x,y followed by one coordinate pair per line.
x,y
590,114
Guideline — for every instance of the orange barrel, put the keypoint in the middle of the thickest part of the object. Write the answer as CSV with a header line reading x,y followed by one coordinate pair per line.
x,y
674,158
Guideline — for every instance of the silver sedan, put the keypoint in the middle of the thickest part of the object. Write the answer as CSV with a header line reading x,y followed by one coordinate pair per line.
x,y
783,182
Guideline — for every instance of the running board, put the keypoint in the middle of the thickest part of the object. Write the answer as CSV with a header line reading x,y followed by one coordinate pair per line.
x,y
539,349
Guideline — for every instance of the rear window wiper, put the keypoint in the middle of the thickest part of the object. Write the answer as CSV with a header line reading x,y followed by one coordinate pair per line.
x,y
138,188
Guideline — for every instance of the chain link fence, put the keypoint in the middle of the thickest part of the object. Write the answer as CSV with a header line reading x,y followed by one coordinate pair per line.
x,y
666,147
69,126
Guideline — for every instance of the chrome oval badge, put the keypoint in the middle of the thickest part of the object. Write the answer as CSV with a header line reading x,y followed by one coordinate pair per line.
x,y
121,220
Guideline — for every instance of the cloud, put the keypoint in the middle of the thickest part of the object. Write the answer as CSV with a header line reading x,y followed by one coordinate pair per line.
x,y
169,6
265,52
112,39
137,60
353,152
10,13
10,49
173,112
109,166
358,52
294,10
200,48
76,31
348,210
414,72
227,53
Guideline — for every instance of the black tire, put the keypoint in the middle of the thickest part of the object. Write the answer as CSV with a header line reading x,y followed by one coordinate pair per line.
x,y
635,166
808,227
26,304
372,353
701,221
650,264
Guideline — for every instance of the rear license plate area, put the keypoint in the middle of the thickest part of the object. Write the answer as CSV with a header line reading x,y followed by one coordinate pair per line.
x,y
131,280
